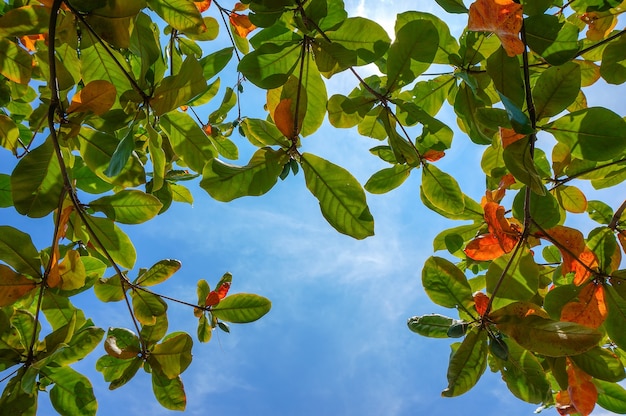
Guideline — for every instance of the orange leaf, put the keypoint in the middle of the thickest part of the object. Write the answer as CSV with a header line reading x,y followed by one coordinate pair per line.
x,y
509,136
13,285
502,17
564,404
484,248
590,309
202,5
97,96
497,195
500,226
242,24
222,291
283,118
481,300
207,129
577,258
29,41
581,390
621,236
433,155
184,108
240,6
54,276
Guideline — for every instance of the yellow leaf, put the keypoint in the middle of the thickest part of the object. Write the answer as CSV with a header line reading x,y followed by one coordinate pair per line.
x,y
13,285
600,24
97,96
502,17
72,271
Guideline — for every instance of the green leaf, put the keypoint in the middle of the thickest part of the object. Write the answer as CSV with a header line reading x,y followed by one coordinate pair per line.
x,y
36,182
341,198
613,67
548,337
188,139
182,15
524,375
520,278
151,334
505,72
447,45
555,40
158,273
119,8
600,212
177,90
114,240
453,6
109,289
263,133
147,307
433,325
17,250
519,162
601,364
128,206
556,88
442,190
15,400
204,330
270,65
213,63
97,149
72,392
226,182
543,209
173,355
358,41
466,106
611,396
241,308
519,120
26,20
16,62
594,133
117,371
9,134
411,53
170,393
465,232
467,363
6,199
387,179
616,319
446,285
82,343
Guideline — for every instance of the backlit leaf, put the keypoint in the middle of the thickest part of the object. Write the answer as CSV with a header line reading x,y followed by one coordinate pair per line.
x,y
442,190
17,250
548,337
128,206
571,199
446,285
611,396
169,392
97,96
188,139
387,179
601,364
173,355
182,15
13,285
226,182
556,88
241,308
340,196
594,133
159,272
467,363
114,240
581,390
503,17
16,62
72,392
242,24
147,306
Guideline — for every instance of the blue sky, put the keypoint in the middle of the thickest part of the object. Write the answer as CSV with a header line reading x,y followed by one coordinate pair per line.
x,y
335,341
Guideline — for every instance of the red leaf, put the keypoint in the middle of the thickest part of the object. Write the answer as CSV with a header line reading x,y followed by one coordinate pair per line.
x,y
500,226
212,299
222,291
481,300
502,17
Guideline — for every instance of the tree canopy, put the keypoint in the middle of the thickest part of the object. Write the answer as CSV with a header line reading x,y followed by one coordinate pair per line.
x,y
100,104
